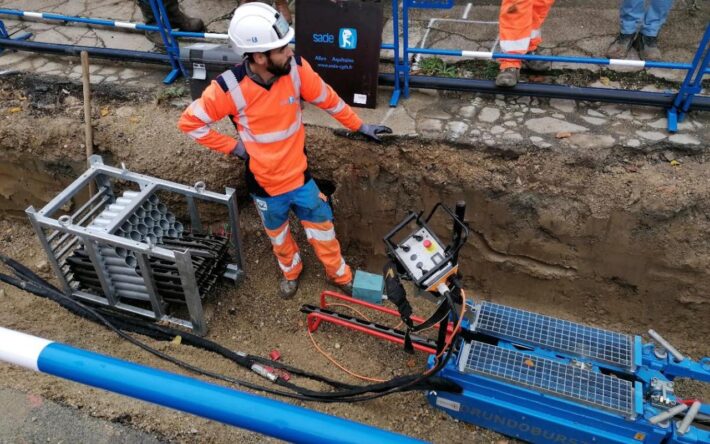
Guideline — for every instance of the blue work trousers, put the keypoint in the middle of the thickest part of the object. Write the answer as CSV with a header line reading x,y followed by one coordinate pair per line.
x,y
646,16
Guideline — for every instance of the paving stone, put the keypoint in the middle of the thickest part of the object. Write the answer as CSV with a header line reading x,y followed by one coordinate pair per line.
x,y
489,114
633,143
537,111
595,113
456,129
95,79
610,110
564,105
625,115
684,139
549,125
497,130
510,124
591,140
535,139
513,137
651,135
594,120
467,111
430,127
558,116
524,99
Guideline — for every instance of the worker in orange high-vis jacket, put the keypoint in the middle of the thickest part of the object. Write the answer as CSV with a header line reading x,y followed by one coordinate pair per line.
x,y
519,26
263,97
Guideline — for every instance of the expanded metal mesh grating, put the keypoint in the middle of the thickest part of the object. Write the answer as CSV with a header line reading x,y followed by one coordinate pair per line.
x,y
568,337
588,387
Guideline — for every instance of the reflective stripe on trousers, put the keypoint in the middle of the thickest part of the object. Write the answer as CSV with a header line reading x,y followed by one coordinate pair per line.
x,y
520,22
321,235
286,251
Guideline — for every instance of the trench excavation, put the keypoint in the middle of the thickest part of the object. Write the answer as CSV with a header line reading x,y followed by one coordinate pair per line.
x,y
608,237
622,242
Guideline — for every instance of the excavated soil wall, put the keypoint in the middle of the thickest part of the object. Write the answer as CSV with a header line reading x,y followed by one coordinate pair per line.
x,y
610,235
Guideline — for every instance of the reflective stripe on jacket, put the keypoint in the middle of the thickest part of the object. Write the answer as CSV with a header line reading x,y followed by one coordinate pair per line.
x,y
268,120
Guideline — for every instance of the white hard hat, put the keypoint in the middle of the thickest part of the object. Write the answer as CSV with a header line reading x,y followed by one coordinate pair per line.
x,y
257,27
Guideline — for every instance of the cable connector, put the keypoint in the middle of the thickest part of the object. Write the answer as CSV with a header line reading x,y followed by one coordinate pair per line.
x,y
264,372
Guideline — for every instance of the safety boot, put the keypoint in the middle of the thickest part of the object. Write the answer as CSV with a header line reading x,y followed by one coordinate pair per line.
x,y
647,47
346,288
508,77
288,288
177,18
536,65
620,47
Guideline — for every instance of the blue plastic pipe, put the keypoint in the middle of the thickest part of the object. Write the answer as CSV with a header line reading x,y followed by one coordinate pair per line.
x,y
247,411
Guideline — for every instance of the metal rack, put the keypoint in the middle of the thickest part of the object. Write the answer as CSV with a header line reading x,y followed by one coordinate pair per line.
x,y
125,253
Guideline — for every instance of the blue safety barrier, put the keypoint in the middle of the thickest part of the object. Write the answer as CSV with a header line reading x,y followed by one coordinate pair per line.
x,y
239,409
5,35
162,26
690,87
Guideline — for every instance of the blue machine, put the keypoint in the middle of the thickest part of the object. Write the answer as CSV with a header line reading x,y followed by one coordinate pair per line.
x,y
542,379
530,376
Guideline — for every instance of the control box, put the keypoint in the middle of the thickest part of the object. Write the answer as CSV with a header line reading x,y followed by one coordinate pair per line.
x,y
421,253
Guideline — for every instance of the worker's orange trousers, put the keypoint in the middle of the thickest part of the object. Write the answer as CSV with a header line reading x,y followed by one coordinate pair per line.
x,y
519,26
315,214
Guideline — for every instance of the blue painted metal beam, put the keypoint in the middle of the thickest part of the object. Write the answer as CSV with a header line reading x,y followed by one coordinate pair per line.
x,y
251,412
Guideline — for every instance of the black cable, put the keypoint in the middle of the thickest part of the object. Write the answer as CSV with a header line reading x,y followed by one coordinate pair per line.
x,y
39,286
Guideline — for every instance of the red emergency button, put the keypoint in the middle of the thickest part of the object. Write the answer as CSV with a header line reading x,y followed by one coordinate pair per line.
x,y
427,243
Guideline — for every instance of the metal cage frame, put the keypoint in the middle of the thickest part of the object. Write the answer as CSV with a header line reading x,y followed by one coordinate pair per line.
x,y
67,230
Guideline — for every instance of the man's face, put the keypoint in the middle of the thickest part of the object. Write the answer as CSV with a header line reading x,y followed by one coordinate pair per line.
x,y
279,61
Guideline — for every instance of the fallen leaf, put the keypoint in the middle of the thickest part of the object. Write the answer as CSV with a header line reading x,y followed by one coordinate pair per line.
x,y
134,119
104,111
16,109
604,80
177,340
563,135
675,163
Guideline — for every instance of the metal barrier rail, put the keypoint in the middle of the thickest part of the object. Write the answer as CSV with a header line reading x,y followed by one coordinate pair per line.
x,y
675,113
226,405
49,16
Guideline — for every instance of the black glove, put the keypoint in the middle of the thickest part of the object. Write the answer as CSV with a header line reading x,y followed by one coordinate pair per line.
x,y
239,151
372,131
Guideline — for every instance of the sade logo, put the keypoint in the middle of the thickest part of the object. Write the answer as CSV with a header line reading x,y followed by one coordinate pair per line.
x,y
347,38
323,38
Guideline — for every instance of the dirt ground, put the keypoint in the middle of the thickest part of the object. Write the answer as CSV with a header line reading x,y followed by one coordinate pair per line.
x,y
610,237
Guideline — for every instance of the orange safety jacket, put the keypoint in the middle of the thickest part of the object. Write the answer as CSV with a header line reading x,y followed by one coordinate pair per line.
x,y
269,122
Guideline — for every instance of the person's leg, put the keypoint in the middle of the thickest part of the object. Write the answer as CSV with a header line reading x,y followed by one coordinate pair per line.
x,y
647,40
274,215
514,26
316,216
631,14
539,13
540,10
655,17
177,19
